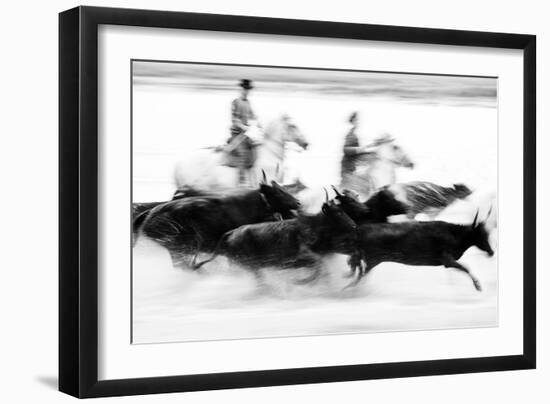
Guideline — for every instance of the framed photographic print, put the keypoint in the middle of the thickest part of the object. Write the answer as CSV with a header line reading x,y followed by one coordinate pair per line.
x,y
251,201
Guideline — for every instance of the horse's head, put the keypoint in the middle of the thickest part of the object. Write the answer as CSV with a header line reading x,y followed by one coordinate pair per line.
x,y
389,150
291,132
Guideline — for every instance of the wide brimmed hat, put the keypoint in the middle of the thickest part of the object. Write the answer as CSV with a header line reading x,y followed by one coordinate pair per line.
x,y
353,116
245,83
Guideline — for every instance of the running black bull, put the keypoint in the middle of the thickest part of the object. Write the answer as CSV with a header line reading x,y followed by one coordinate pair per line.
x,y
191,225
296,243
434,243
376,209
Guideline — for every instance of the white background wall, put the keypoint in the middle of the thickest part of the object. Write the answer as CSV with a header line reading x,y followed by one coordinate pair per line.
x,y
28,163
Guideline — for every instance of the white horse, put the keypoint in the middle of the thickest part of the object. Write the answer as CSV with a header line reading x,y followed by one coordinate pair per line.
x,y
374,170
378,168
204,169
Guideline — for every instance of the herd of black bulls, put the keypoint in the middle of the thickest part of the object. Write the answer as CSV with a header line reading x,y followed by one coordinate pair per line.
x,y
263,228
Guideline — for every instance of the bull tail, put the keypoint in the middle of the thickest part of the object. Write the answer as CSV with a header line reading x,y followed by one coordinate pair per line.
x,y
136,224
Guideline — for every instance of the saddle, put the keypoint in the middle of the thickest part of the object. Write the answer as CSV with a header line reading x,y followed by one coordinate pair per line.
x,y
240,152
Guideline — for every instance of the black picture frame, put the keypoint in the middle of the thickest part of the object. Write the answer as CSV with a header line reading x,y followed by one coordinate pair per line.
x,y
78,201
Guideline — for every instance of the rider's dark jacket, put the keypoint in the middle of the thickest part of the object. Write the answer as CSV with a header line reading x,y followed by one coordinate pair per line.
x,y
350,157
242,152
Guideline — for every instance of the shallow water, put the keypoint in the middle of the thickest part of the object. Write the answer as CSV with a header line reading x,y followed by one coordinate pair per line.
x,y
223,301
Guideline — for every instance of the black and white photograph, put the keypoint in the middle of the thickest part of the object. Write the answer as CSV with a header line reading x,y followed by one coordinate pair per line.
x,y
275,201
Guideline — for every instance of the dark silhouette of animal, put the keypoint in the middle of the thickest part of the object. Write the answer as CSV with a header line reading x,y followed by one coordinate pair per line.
x,y
426,197
183,192
190,225
296,243
376,209
187,191
140,209
420,243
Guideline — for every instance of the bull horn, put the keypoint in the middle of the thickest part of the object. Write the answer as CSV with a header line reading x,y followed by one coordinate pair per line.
x,y
264,177
475,219
326,195
336,191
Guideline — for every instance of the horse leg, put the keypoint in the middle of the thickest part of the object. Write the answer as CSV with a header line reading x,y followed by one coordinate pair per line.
x,y
242,177
450,262
262,287
252,177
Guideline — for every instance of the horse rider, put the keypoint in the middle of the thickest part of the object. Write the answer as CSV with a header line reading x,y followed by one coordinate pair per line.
x,y
240,148
353,154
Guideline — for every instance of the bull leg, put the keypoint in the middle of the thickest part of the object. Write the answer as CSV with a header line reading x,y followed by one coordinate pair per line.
x,y
354,262
178,259
253,179
278,217
368,266
314,275
450,262
196,265
307,258
194,261
354,282
262,287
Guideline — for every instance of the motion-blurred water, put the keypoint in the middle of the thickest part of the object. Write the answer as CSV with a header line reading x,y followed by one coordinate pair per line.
x,y
447,125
